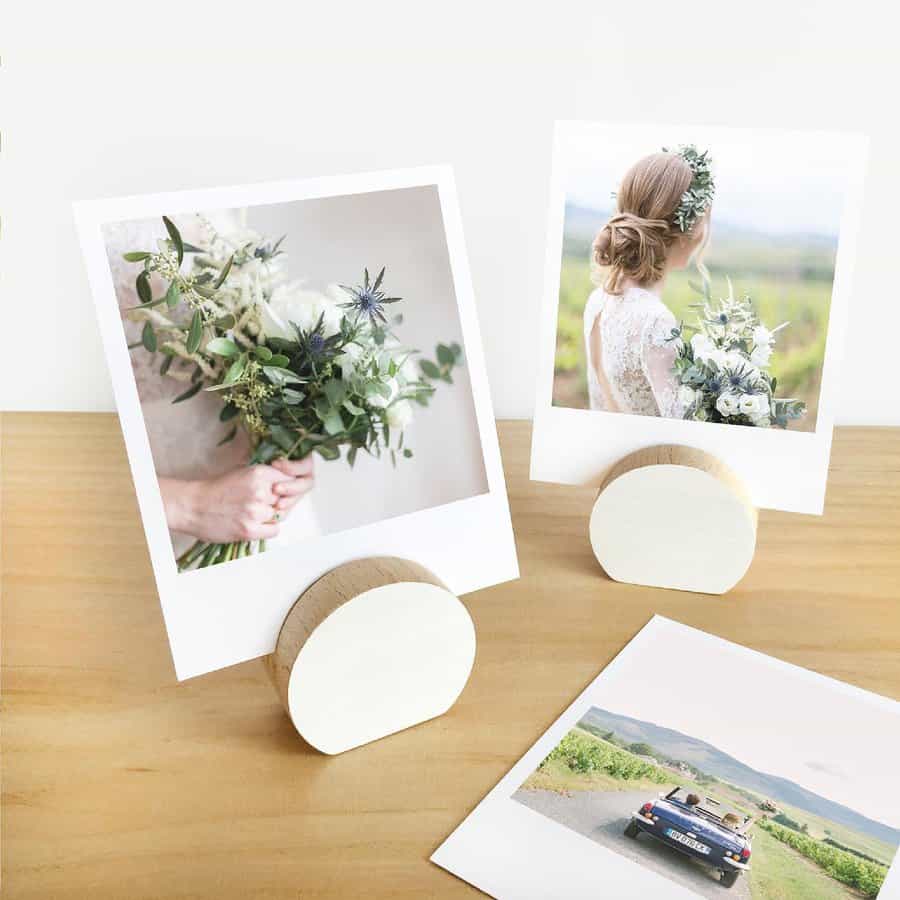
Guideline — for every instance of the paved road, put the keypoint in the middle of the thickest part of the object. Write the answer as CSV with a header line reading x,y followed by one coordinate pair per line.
x,y
603,815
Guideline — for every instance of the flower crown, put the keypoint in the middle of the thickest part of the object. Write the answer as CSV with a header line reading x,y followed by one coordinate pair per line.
x,y
696,199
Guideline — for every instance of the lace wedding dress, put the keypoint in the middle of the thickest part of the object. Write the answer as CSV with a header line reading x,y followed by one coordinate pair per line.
x,y
629,360
183,436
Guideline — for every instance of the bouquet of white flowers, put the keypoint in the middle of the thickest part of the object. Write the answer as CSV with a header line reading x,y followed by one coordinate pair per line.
x,y
722,368
302,371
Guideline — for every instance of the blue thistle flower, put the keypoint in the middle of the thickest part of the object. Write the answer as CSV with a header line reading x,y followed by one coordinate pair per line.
x,y
368,300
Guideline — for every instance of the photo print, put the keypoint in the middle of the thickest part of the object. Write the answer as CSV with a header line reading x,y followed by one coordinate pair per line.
x,y
693,767
291,362
696,289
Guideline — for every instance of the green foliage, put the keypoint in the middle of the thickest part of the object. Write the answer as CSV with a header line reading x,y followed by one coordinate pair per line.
x,y
310,389
785,820
641,749
867,877
696,199
584,754
788,285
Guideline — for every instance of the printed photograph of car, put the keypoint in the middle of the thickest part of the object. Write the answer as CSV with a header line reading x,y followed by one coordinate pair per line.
x,y
698,827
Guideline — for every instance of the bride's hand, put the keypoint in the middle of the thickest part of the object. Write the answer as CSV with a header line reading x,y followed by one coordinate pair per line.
x,y
240,505
298,481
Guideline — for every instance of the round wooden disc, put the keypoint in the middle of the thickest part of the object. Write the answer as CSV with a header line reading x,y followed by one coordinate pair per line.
x,y
372,647
674,517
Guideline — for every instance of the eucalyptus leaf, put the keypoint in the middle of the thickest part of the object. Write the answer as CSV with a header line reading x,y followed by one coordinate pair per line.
x,y
264,354
292,397
265,452
335,391
235,370
327,452
445,355
193,389
195,333
429,368
222,346
279,376
148,338
142,286
333,423
173,295
175,235
284,437
224,273
228,437
279,360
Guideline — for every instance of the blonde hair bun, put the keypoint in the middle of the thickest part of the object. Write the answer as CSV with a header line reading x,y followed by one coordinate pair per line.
x,y
634,244
634,247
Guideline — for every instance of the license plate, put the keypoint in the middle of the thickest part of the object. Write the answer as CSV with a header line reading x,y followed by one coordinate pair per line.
x,y
688,842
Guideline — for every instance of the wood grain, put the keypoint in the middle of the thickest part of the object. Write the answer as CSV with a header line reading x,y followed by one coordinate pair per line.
x,y
120,782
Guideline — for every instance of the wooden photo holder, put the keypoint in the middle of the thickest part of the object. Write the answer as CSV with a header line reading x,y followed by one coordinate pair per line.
x,y
374,646
674,517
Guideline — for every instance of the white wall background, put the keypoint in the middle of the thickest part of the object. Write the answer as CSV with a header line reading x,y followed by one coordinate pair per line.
x,y
103,99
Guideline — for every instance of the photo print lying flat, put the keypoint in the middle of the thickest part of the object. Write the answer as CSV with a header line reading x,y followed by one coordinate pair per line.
x,y
696,289
694,767
291,363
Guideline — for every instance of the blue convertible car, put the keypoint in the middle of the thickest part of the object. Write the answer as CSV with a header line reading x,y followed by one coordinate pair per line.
x,y
699,829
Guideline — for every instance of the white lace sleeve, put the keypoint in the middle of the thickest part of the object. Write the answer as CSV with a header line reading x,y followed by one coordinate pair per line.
x,y
658,363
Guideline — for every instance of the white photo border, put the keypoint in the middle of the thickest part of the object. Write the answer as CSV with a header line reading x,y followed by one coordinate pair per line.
x,y
511,851
785,470
468,543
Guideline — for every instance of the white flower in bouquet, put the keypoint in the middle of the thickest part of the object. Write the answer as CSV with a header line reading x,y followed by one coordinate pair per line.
x,y
291,305
702,346
727,404
378,399
351,358
400,414
723,370
755,406
761,355
686,396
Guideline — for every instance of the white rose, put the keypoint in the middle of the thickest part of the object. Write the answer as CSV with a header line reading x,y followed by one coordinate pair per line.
x,y
686,395
762,336
727,404
747,405
763,409
290,305
379,400
400,414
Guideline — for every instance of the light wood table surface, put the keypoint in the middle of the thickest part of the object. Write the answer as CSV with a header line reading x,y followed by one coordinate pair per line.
x,y
119,782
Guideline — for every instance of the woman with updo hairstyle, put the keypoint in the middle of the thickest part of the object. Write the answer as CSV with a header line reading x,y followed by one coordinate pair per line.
x,y
661,223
